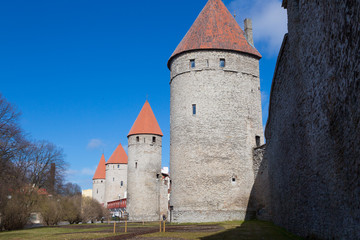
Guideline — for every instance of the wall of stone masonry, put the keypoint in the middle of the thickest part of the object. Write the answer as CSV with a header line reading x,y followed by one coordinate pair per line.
x,y
313,130
260,194
214,146
115,174
144,177
98,191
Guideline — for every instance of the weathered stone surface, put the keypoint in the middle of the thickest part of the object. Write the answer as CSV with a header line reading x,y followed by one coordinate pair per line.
x,y
98,190
115,175
144,177
211,152
313,130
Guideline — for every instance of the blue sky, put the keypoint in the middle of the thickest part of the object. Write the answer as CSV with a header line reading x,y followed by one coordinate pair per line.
x,y
80,70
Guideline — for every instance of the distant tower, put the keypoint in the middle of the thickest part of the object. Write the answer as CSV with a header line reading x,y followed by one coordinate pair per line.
x,y
215,118
144,169
98,191
116,175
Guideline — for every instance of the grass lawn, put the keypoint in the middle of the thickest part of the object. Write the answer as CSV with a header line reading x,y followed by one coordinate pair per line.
x,y
256,230
57,233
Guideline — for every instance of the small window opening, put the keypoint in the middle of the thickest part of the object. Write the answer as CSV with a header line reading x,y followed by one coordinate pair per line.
x,y
233,179
157,175
101,180
207,63
222,62
121,183
97,190
192,63
154,140
113,179
257,139
118,166
194,109
137,139
136,165
144,140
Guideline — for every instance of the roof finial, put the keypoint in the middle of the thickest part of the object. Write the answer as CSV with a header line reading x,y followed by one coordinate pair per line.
x,y
147,96
234,14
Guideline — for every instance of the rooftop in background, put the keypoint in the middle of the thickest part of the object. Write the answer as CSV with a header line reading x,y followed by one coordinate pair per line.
x,y
100,170
146,122
215,28
119,156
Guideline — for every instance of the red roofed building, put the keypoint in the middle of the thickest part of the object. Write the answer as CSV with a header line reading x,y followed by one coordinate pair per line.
x,y
215,118
145,182
116,175
98,191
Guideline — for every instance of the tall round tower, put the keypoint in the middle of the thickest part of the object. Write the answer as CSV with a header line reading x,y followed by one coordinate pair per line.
x,y
215,118
116,175
144,168
98,191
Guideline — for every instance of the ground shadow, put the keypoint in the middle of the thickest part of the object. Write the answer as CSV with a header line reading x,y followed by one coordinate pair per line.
x,y
254,230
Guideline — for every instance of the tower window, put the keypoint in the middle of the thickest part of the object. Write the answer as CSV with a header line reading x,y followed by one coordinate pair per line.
x,y
257,139
233,179
194,109
135,164
207,62
222,62
192,63
154,140
118,166
101,180
113,179
137,139
97,190
121,183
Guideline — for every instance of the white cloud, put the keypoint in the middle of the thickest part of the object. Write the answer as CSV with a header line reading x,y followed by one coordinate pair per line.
x,y
269,22
95,143
88,171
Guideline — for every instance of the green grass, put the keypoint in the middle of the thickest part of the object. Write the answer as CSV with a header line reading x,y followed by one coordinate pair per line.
x,y
54,233
237,230
251,230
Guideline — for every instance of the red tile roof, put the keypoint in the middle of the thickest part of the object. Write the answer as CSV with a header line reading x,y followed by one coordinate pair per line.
x,y
100,170
146,122
119,156
215,28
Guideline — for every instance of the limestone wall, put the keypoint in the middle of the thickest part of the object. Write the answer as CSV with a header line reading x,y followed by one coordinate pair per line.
x,y
144,177
313,130
116,181
98,190
211,164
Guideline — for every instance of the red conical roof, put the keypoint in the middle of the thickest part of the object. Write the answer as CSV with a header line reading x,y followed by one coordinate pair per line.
x,y
215,28
119,156
146,122
100,170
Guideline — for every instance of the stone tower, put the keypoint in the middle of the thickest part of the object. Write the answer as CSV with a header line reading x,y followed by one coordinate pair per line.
x,y
116,175
98,191
144,169
215,118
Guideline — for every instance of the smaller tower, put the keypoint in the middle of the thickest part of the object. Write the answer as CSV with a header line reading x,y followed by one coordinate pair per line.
x,y
98,191
144,169
116,175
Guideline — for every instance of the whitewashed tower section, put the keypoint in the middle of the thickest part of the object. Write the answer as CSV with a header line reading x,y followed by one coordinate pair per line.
x,y
98,191
116,175
144,168
215,119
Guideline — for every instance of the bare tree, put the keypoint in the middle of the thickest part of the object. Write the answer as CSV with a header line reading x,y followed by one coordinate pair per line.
x,y
71,189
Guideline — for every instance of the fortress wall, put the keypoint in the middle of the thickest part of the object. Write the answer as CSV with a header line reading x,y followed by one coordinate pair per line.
x,y
313,130
144,177
210,148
